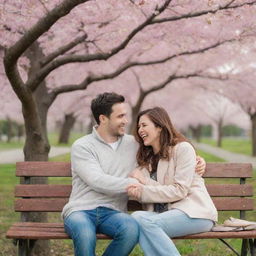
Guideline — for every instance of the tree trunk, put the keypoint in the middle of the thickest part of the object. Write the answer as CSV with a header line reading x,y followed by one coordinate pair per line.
x,y
36,149
36,143
67,125
219,138
253,121
91,123
135,111
196,132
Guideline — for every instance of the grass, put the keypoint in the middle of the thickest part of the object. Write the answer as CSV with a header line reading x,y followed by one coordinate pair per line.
x,y
208,157
53,140
239,145
10,145
211,247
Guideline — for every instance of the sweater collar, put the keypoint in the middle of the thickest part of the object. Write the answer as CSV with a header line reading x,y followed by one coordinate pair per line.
x,y
98,137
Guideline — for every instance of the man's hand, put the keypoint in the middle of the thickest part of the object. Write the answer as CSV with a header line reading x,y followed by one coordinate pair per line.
x,y
200,165
137,174
134,190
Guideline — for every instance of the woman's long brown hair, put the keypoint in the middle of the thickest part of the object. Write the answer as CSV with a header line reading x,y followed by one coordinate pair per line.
x,y
169,136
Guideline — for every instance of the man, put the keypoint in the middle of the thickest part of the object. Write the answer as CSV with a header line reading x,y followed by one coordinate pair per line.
x,y
101,163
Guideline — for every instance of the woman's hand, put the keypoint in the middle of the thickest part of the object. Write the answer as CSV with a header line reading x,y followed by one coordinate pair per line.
x,y
134,190
200,165
137,174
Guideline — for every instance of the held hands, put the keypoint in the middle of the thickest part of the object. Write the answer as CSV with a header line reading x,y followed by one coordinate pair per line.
x,y
200,165
134,190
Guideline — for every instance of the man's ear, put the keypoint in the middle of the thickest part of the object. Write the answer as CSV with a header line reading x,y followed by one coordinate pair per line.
x,y
102,119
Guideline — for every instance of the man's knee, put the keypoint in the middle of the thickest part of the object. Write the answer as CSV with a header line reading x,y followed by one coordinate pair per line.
x,y
129,228
79,226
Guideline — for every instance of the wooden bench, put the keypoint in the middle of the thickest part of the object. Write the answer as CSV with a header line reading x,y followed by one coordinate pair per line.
x,y
52,198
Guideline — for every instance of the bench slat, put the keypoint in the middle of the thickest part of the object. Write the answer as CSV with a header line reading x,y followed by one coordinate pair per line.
x,y
43,169
226,190
33,230
40,190
56,205
233,204
62,169
228,170
65,190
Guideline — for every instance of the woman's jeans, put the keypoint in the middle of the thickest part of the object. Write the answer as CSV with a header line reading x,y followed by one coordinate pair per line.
x,y
82,227
157,228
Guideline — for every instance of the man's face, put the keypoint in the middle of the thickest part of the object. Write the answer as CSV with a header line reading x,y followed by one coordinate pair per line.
x,y
117,120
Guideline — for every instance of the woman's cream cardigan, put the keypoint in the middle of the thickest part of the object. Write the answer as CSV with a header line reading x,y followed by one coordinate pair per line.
x,y
179,185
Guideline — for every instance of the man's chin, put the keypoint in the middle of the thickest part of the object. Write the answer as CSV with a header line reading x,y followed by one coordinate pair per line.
x,y
121,132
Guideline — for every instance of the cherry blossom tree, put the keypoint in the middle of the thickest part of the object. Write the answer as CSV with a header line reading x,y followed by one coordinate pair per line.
x,y
32,43
239,87
100,40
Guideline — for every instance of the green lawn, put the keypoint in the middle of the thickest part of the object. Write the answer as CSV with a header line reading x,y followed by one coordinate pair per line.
x,y
10,145
241,146
53,139
208,157
64,247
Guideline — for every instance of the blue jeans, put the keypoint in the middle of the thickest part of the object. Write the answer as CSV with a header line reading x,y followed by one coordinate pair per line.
x,y
82,227
157,228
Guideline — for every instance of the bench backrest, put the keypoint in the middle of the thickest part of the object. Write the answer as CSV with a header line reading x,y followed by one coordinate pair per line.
x,y
52,198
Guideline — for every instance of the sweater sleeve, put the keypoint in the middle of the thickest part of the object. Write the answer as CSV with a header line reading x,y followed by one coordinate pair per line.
x,y
184,173
87,167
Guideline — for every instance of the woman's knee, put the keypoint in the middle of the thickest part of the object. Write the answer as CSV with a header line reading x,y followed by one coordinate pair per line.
x,y
138,215
142,217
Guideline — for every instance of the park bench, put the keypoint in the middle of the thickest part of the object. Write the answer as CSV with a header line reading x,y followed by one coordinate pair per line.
x,y
52,198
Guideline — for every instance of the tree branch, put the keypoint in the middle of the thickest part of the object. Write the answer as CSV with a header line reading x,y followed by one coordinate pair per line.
x,y
43,25
137,80
97,56
204,12
104,56
13,53
93,78
63,49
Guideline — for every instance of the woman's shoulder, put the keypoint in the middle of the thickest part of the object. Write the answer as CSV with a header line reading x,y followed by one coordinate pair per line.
x,y
183,146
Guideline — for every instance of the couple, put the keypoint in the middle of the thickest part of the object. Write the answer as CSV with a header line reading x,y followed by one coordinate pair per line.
x,y
159,171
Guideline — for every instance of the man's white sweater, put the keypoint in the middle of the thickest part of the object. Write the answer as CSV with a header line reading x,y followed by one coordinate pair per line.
x,y
99,173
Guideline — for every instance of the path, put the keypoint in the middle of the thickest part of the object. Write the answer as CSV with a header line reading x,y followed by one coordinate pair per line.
x,y
16,155
226,155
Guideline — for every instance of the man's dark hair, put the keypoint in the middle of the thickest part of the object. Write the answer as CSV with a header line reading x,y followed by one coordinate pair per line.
x,y
102,104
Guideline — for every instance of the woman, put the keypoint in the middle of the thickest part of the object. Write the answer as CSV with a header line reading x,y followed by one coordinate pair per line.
x,y
173,194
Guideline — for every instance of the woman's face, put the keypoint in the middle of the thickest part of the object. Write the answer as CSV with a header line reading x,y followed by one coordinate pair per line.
x,y
149,133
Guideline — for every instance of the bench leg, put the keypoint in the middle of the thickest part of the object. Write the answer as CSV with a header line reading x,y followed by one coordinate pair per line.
x,y
245,246
229,246
252,244
248,247
25,247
